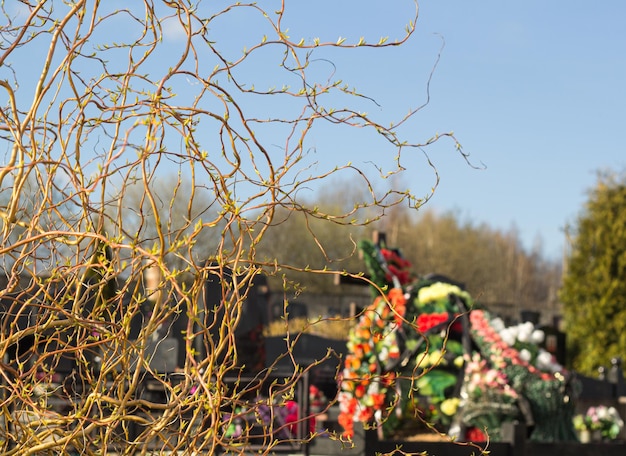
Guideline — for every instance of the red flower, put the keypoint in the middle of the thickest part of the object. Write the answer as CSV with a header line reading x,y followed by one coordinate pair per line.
x,y
457,327
359,392
388,378
428,321
291,419
397,266
475,435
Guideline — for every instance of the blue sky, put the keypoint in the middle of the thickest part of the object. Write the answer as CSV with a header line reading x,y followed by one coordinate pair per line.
x,y
534,90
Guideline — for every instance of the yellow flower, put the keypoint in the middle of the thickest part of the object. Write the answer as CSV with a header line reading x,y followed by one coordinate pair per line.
x,y
450,406
434,358
438,291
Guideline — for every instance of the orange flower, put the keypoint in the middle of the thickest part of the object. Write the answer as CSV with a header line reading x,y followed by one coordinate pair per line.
x,y
352,362
366,414
398,303
379,400
347,423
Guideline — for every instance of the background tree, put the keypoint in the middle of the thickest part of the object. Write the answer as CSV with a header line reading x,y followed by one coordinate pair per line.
x,y
594,289
301,241
180,208
90,114
493,265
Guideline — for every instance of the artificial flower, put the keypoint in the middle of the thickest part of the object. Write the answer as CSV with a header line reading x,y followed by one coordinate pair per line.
x,y
604,419
450,406
439,291
429,321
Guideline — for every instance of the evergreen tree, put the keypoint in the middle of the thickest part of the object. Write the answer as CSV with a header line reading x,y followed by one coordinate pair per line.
x,y
594,287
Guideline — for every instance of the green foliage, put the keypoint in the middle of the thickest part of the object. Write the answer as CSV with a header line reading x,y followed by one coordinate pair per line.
x,y
435,383
594,287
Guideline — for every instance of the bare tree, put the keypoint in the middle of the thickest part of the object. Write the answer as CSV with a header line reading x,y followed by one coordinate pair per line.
x,y
102,99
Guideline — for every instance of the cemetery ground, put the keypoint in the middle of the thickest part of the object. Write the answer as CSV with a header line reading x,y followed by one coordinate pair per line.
x,y
424,347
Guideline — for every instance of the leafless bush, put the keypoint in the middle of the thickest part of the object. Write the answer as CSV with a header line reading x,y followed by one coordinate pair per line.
x,y
137,146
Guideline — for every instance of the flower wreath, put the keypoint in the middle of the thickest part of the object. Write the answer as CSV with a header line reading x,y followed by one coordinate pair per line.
x,y
410,356
405,341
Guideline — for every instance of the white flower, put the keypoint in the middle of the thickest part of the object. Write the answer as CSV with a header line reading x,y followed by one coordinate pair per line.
x,y
524,331
497,324
538,336
508,337
527,327
615,417
603,413
344,401
545,362
525,355
524,335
